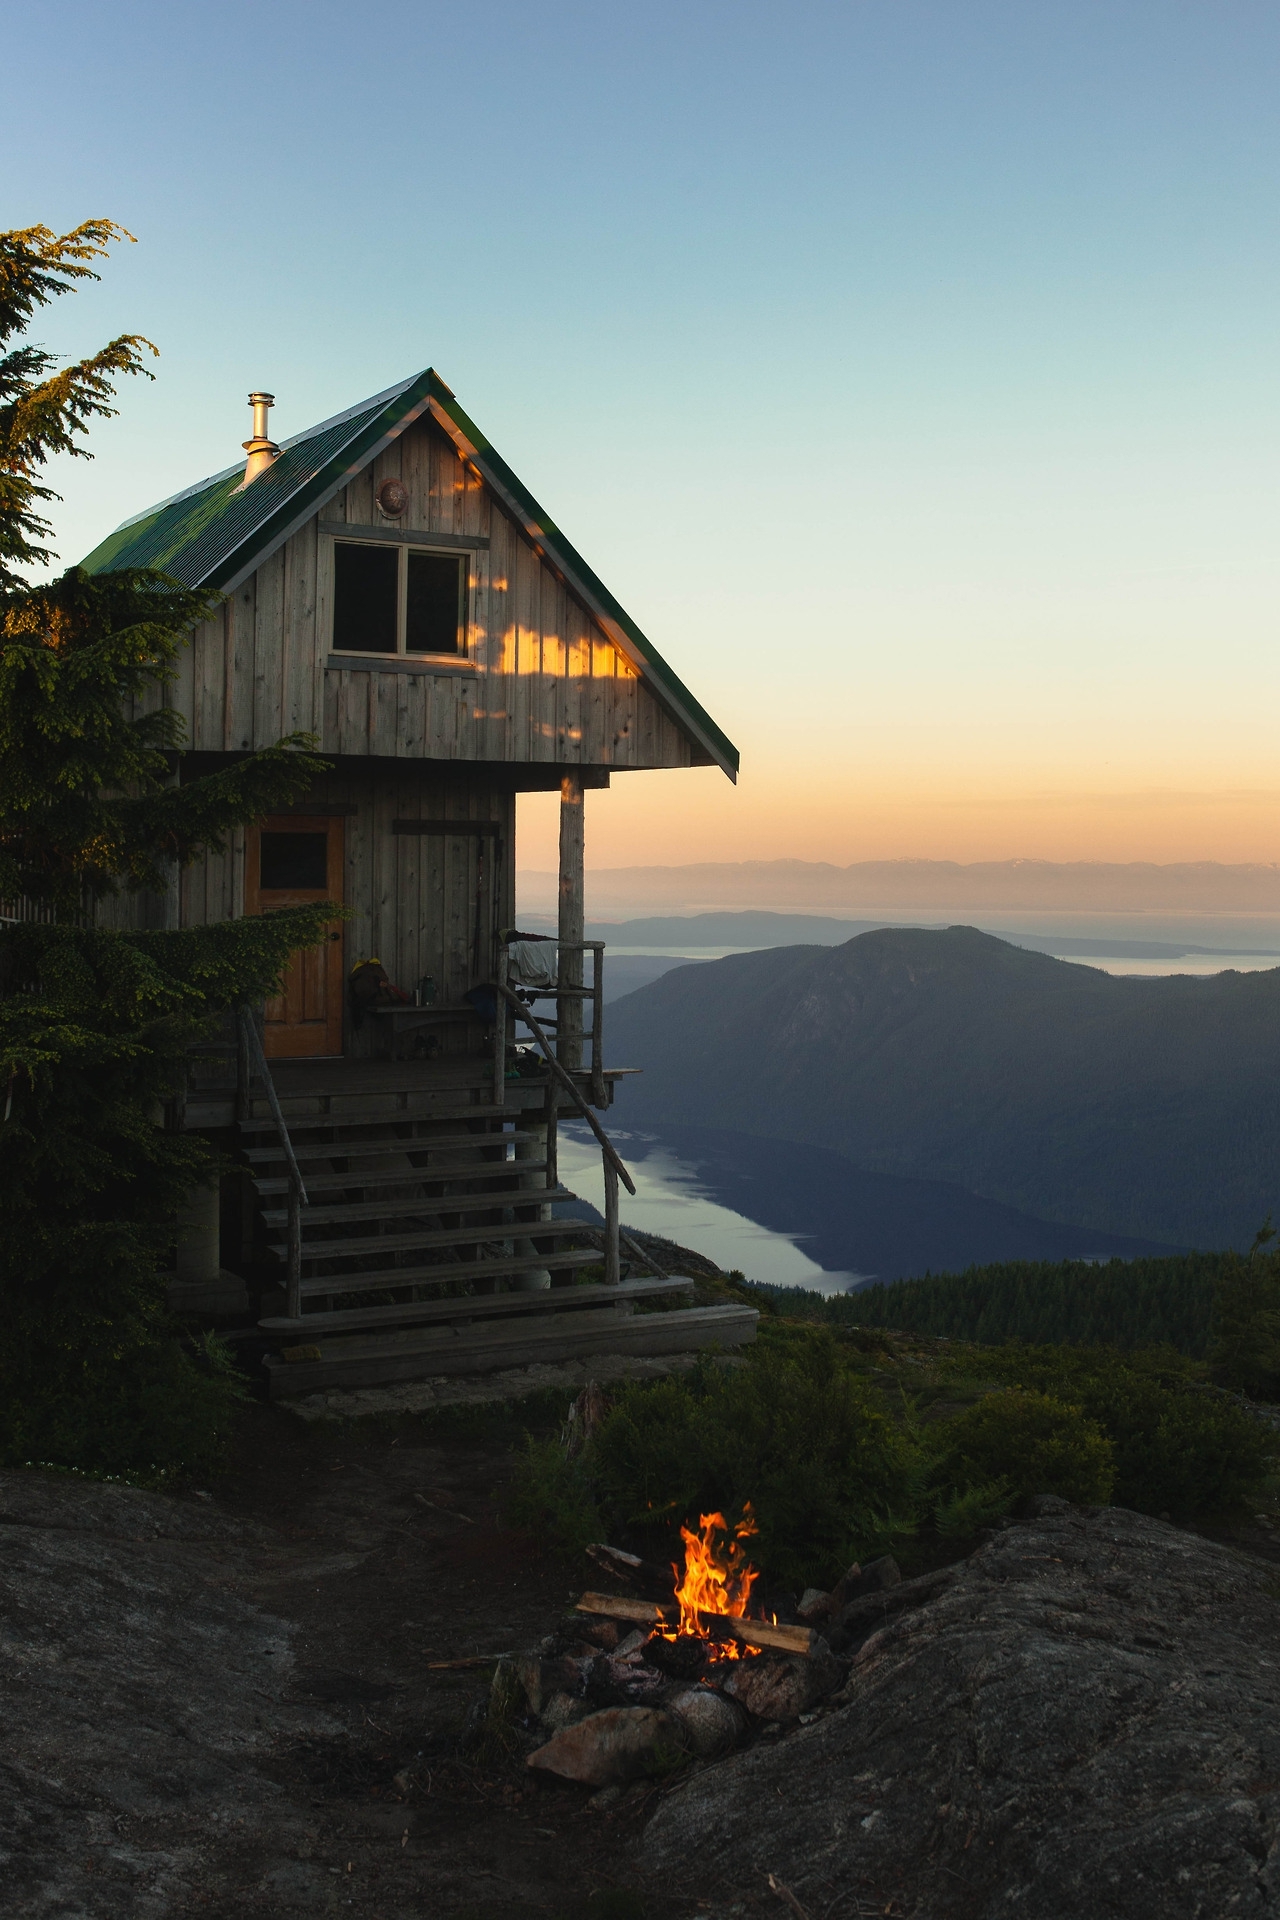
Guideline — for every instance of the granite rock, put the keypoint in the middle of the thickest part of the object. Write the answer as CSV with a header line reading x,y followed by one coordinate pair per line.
x,y
1082,1724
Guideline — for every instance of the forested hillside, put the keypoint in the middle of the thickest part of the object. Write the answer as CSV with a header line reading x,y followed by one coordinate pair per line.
x,y
1120,1303
1144,1107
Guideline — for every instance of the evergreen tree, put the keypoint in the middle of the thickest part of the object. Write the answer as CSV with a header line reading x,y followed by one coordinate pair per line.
x,y
93,1022
1244,1332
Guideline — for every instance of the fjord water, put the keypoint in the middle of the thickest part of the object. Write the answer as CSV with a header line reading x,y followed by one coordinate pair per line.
x,y
800,1216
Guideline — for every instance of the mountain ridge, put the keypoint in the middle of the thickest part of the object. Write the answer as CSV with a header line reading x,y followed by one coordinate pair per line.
x,y
1143,1106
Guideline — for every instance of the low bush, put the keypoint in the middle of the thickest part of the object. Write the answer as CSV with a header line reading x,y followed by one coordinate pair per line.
x,y
1179,1447
829,1475
838,1464
1022,1442
148,1408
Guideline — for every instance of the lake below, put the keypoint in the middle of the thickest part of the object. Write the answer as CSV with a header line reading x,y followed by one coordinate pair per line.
x,y
804,1217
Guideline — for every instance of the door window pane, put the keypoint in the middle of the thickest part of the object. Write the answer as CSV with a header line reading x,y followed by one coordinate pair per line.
x,y
365,590
295,860
433,612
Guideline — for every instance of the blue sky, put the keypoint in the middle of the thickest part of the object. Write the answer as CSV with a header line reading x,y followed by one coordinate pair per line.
x,y
909,371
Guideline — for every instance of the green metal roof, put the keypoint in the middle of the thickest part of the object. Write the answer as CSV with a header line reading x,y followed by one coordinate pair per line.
x,y
214,534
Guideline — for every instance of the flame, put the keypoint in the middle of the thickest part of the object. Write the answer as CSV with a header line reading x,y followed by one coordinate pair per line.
x,y
717,1575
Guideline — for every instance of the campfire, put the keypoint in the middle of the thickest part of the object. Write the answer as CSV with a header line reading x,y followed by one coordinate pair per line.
x,y
717,1578
686,1661
709,1614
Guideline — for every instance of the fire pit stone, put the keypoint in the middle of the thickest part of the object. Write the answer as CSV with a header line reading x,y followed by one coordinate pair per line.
x,y
564,1710
714,1724
619,1744
814,1605
783,1686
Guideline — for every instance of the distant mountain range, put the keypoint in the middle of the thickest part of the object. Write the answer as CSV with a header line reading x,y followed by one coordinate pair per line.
x,y
759,929
1143,1107
1103,886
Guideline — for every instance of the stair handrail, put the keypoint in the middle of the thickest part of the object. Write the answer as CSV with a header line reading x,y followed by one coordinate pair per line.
x,y
613,1167
252,1043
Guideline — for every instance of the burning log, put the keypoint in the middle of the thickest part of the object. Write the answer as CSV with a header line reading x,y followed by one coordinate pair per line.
x,y
641,1613
712,1596
760,1634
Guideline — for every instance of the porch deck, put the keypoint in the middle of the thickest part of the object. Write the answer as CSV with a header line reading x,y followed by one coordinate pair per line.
x,y
442,1086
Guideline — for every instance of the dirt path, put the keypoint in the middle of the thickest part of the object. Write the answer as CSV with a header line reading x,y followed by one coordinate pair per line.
x,y
236,1701
405,1566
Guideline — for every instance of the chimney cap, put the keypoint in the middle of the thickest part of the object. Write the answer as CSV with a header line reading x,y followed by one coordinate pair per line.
x,y
261,449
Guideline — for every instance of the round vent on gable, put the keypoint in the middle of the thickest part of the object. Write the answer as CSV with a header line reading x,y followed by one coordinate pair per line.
x,y
393,498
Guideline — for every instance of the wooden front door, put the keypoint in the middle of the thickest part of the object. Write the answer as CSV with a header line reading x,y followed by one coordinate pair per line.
x,y
292,860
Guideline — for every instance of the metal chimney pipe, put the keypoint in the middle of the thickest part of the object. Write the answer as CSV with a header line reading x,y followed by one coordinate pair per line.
x,y
262,450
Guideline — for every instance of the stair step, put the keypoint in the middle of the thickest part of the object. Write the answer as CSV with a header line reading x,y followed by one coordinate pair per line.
x,y
445,1273
406,1176
304,1150
388,1209
377,1359
260,1121
481,1306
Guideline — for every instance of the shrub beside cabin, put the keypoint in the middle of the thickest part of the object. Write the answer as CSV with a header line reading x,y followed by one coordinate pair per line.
x,y
393,588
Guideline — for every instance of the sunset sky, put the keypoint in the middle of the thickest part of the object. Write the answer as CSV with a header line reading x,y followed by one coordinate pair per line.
x,y
910,372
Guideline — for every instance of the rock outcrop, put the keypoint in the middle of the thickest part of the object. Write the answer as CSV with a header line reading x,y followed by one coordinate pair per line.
x,y
1081,1724
138,1701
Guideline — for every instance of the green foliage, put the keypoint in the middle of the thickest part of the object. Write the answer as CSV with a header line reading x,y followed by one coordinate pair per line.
x,y
1178,1447
552,1496
1121,1303
147,1405
43,412
1244,1334
828,1474
1022,1442
88,801
93,1022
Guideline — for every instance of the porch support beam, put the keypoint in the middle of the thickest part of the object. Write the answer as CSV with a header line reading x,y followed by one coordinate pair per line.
x,y
572,898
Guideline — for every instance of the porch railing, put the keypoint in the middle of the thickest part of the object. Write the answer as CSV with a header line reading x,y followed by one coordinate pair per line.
x,y
251,1060
594,994
614,1170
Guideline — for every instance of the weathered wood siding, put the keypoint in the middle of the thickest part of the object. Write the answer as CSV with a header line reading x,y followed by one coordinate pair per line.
x,y
413,897
541,682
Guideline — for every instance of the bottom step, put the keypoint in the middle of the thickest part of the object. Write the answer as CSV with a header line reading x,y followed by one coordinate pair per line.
x,y
378,1359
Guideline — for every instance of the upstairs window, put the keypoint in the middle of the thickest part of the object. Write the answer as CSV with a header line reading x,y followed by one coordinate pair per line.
x,y
399,599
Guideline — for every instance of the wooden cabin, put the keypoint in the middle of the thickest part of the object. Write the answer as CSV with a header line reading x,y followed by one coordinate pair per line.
x,y
392,588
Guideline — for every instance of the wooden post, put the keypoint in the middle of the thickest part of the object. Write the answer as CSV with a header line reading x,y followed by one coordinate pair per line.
x,y
244,1071
500,1034
599,1097
612,1264
551,1115
293,1284
572,845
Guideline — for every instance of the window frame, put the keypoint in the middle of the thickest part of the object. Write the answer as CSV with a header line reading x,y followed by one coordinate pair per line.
x,y
404,548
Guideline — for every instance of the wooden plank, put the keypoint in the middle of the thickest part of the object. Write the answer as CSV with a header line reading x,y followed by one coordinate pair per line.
x,y
268,640
415,471
304,685
616,1606
209,678
571,912
478,1307
377,1359
397,533
761,1634
358,495
239,704
385,663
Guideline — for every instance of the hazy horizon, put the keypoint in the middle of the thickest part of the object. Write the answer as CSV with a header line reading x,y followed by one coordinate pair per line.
x,y
1242,890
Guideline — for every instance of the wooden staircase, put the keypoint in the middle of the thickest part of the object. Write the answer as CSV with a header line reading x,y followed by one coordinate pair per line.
x,y
416,1240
